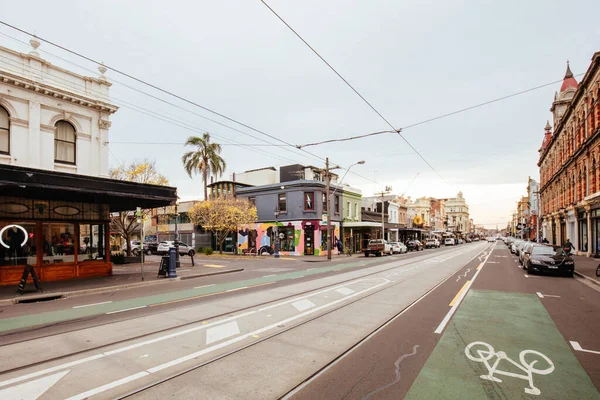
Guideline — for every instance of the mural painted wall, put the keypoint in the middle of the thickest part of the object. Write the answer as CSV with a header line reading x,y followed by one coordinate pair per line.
x,y
296,238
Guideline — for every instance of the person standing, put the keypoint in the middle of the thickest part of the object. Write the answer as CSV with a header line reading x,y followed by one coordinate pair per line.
x,y
567,246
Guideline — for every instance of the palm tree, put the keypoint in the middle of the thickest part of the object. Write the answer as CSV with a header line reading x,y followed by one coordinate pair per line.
x,y
205,159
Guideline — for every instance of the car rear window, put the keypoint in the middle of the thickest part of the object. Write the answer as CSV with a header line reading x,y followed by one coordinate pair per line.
x,y
543,250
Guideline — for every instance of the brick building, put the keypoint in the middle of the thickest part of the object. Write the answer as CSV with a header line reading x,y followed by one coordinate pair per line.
x,y
569,157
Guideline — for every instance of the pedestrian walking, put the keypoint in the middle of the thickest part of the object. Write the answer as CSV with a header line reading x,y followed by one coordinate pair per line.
x,y
567,246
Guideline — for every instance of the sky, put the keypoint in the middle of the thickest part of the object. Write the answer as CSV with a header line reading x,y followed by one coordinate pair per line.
x,y
412,60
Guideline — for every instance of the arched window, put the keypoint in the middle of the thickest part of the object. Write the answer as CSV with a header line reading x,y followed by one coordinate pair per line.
x,y
64,143
4,132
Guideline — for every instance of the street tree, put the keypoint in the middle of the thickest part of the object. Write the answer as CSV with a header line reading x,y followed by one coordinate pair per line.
x,y
205,160
223,216
125,223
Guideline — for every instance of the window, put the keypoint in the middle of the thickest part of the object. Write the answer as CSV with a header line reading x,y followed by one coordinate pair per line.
x,y
324,203
348,207
356,211
58,242
282,203
337,205
4,132
91,242
309,201
64,143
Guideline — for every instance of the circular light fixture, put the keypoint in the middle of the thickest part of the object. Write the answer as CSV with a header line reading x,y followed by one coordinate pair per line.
x,y
11,226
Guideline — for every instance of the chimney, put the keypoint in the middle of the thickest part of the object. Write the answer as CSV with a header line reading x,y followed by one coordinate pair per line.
x,y
233,176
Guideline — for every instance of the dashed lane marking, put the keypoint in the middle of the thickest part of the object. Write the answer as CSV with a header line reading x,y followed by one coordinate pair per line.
x,y
200,287
213,265
94,304
127,309
541,296
460,292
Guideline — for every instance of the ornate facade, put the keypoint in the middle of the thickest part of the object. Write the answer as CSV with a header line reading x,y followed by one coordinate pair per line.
x,y
569,157
457,212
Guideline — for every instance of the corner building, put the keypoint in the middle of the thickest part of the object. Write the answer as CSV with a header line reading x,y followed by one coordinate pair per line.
x,y
569,156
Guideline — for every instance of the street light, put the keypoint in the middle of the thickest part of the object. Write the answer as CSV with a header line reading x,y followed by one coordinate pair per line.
x,y
330,196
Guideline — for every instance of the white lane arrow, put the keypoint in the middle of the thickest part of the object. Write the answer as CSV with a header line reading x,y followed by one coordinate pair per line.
x,y
31,390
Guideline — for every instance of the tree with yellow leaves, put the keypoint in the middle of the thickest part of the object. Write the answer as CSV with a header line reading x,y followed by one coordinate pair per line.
x,y
223,216
125,224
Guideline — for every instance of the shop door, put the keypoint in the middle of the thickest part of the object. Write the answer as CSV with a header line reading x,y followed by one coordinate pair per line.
x,y
309,240
563,232
596,235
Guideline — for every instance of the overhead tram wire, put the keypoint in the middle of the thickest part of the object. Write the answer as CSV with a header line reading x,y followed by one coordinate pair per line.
x,y
150,113
398,131
162,91
154,97
177,97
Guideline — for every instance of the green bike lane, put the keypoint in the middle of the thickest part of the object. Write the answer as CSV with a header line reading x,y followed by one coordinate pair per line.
x,y
503,343
69,314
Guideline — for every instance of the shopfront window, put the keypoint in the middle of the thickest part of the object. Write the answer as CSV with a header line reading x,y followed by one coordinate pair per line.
x,y
17,246
287,238
58,242
91,242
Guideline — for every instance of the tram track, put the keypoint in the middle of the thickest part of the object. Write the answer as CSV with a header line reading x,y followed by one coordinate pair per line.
x,y
287,329
224,314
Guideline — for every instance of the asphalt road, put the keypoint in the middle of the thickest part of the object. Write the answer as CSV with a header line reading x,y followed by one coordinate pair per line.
x,y
424,325
506,308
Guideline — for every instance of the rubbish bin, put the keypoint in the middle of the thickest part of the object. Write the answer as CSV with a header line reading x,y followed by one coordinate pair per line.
x,y
172,265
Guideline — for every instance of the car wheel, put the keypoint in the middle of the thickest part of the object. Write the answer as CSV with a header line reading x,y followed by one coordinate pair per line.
x,y
148,253
378,254
264,252
366,254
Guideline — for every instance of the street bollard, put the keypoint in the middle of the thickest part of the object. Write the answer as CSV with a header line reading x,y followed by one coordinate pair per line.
x,y
172,265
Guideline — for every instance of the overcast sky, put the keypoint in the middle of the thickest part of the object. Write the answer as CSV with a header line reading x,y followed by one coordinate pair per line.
x,y
413,60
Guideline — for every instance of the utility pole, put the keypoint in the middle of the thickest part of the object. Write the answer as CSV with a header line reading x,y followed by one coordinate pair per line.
x,y
383,193
328,183
140,220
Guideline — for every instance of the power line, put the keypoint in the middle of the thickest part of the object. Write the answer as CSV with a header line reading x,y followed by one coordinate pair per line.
x,y
176,96
153,114
398,131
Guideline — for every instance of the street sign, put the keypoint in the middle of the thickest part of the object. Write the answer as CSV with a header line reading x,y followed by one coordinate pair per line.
x,y
324,217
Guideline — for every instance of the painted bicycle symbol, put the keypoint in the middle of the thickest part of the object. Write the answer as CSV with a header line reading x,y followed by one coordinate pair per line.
x,y
483,352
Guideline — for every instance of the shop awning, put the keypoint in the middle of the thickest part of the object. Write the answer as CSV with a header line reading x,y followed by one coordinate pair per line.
x,y
51,185
362,224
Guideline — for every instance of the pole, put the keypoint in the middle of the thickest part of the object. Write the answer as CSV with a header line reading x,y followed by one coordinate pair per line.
x,y
328,181
382,218
539,213
176,237
142,247
276,255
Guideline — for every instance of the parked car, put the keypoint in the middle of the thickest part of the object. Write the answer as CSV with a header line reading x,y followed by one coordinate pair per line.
x,y
377,247
135,248
476,239
467,240
490,239
519,247
526,249
460,241
449,242
398,247
184,249
432,243
544,258
414,245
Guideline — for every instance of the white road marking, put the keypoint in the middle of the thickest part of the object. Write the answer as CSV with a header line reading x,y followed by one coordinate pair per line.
x,y
93,304
541,296
233,290
221,332
108,386
577,346
336,270
302,305
344,291
446,319
144,356
127,309
32,390
268,276
200,287
218,346
526,276
493,262
520,266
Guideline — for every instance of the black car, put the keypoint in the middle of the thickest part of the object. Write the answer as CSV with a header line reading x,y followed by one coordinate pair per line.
x,y
414,245
542,258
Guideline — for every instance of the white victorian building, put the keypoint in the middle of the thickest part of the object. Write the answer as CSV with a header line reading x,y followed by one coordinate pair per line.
x,y
53,171
457,212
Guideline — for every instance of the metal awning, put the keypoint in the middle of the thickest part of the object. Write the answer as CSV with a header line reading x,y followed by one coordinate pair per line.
x,y
362,224
39,184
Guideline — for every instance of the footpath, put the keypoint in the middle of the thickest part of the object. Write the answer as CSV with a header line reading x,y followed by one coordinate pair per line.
x,y
126,276
586,268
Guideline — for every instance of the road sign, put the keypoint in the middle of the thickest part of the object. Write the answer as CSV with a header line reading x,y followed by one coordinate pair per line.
x,y
324,217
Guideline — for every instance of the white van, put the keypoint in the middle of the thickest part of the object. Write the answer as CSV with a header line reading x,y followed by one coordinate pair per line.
x,y
449,242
